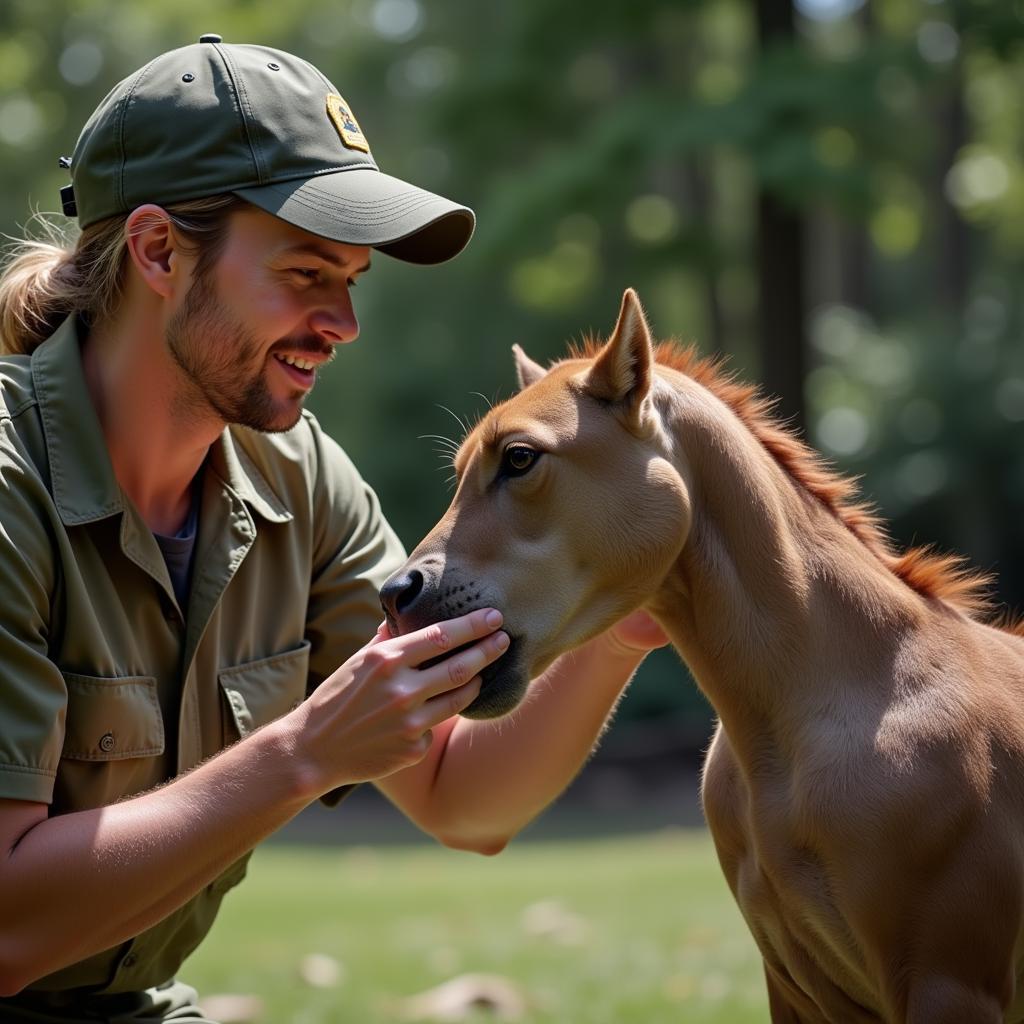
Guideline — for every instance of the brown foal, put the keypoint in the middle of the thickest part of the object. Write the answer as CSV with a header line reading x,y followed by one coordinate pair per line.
x,y
865,785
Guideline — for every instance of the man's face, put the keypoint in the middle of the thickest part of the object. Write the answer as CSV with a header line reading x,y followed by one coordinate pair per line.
x,y
251,334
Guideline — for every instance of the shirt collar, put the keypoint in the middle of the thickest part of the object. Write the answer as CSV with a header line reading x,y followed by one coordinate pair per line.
x,y
82,477
231,461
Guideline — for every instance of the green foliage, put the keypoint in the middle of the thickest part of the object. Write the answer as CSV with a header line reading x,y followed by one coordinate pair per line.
x,y
624,145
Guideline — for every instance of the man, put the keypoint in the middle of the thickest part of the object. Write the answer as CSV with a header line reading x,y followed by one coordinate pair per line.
x,y
188,594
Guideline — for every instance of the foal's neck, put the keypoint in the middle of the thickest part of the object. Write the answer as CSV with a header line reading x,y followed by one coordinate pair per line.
x,y
781,613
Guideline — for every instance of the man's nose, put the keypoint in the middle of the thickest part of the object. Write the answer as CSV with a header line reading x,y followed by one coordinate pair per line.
x,y
335,324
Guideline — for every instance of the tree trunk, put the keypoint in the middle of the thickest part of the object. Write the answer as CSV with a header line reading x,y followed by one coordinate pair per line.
x,y
780,263
701,206
953,271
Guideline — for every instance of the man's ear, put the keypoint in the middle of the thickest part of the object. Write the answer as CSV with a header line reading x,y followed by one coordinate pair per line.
x,y
527,370
621,374
152,248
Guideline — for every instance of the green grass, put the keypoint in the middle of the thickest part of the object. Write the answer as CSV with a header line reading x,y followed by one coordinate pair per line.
x,y
662,941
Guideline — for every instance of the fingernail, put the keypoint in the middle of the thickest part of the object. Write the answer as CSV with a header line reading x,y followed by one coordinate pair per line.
x,y
502,640
493,619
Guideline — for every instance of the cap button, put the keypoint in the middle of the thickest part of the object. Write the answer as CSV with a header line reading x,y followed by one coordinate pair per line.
x,y
210,37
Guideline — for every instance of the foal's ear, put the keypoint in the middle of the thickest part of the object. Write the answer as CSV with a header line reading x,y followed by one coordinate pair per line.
x,y
622,370
527,370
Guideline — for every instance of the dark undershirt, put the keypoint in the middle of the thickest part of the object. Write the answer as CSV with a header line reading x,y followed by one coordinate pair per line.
x,y
179,549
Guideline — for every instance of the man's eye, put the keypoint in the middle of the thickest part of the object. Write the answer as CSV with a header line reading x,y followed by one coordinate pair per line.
x,y
307,273
518,459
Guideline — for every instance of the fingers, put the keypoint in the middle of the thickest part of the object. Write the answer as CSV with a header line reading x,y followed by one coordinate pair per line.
x,y
448,704
459,669
436,710
438,639
383,633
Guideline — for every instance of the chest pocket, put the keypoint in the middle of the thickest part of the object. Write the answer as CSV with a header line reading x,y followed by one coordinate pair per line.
x,y
112,719
260,691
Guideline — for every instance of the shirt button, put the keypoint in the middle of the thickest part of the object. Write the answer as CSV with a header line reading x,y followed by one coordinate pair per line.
x,y
129,960
107,742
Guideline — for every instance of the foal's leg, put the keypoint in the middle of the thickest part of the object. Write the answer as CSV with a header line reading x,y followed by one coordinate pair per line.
x,y
963,963
780,1008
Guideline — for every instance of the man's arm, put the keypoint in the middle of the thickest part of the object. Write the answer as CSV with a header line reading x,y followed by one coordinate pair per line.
x,y
483,781
80,883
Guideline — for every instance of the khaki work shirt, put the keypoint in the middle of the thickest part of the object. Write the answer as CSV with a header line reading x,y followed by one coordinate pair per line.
x,y
109,687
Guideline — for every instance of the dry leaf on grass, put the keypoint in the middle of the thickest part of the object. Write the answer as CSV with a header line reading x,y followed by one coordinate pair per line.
x,y
455,1000
232,1009
549,919
318,970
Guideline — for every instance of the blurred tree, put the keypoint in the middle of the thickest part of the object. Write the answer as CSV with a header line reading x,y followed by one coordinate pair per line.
x,y
643,145
780,251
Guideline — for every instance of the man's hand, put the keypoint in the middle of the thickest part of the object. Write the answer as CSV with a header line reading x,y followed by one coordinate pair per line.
x,y
636,634
452,793
373,716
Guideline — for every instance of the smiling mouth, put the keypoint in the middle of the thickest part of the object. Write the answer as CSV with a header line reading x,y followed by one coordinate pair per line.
x,y
300,370
298,361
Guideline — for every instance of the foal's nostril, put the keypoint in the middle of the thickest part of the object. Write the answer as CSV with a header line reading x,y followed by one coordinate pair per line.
x,y
413,588
400,592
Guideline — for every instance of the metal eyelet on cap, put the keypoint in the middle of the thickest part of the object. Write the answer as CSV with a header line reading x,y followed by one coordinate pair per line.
x,y
274,67
188,77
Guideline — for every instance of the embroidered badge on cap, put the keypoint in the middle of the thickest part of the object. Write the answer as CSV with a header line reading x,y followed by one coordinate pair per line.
x,y
348,127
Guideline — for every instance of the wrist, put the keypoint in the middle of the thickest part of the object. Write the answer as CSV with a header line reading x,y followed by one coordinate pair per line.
x,y
283,756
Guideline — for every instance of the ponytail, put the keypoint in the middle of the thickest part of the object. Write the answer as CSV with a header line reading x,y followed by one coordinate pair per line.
x,y
44,280
37,290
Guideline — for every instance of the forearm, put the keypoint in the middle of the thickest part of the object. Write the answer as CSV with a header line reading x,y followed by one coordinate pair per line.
x,y
492,778
80,883
76,884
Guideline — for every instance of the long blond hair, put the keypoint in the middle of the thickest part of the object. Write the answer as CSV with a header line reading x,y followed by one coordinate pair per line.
x,y
59,272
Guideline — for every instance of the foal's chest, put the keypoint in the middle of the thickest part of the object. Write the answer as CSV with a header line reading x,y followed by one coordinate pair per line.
x,y
789,899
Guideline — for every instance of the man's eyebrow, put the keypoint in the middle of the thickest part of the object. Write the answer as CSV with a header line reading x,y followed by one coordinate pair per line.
x,y
311,249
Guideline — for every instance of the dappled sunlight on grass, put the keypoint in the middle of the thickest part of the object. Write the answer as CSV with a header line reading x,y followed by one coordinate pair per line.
x,y
638,930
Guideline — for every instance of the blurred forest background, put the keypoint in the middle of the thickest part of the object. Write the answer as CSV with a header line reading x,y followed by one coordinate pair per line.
x,y
831,194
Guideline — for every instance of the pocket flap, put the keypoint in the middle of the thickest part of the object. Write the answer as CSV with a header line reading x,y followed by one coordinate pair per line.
x,y
112,719
260,691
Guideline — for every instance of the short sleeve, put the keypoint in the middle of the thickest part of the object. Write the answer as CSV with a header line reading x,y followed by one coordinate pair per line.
x,y
354,552
33,695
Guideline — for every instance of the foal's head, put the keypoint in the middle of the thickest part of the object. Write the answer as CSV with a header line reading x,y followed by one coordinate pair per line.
x,y
567,515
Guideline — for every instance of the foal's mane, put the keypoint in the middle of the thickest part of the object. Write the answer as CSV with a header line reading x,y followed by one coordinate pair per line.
x,y
945,578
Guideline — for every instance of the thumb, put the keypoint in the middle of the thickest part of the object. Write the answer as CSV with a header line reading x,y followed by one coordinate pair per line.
x,y
383,633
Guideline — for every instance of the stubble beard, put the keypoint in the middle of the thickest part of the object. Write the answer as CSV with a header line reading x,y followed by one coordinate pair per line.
x,y
217,355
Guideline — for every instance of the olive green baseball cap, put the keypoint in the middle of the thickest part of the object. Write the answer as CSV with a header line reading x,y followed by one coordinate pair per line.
x,y
214,118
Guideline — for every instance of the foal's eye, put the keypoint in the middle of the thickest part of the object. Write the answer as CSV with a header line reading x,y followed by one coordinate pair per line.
x,y
518,459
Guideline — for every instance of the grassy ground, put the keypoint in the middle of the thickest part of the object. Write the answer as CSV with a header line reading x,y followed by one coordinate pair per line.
x,y
643,931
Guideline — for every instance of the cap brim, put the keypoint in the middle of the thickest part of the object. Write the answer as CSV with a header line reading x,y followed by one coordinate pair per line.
x,y
362,206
